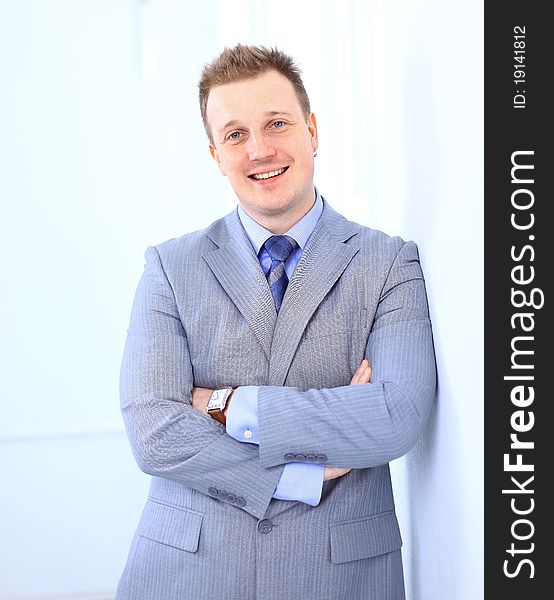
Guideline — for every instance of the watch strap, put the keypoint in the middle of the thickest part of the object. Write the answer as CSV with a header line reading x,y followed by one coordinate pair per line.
x,y
218,414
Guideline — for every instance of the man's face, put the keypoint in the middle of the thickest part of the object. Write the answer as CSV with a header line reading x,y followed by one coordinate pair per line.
x,y
263,144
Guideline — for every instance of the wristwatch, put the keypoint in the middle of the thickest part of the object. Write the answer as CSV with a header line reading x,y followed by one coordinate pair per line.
x,y
218,402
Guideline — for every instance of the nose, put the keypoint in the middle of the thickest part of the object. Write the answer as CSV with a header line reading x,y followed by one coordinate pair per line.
x,y
259,147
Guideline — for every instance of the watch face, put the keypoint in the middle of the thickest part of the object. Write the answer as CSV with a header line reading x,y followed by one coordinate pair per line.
x,y
217,399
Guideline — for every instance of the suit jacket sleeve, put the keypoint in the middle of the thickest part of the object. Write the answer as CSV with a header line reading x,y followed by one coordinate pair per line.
x,y
363,425
170,438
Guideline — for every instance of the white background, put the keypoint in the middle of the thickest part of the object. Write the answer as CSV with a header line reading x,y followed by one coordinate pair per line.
x,y
102,153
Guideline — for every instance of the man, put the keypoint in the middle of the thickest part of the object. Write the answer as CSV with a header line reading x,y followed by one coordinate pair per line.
x,y
245,382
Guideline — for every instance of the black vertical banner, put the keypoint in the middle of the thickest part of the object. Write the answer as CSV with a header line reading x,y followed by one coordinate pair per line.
x,y
519,342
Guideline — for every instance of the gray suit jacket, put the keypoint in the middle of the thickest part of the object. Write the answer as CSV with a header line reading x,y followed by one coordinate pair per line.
x,y
203,315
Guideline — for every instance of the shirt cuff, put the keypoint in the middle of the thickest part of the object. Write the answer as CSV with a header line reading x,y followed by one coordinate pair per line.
x,y
242,415
301,481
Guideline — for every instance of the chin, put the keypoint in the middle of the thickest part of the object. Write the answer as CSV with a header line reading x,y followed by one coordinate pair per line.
x,y
274,209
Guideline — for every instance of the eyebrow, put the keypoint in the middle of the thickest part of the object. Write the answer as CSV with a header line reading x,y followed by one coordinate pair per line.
x,y
270,113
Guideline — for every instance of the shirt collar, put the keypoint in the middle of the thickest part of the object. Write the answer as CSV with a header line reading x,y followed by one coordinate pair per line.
x,y
300,231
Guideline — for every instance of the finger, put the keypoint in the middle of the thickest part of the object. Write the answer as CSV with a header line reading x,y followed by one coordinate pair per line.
x,y
358,375
362,374
366,375
356,378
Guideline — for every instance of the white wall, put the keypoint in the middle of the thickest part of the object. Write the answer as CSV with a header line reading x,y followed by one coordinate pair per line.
x,y
103,153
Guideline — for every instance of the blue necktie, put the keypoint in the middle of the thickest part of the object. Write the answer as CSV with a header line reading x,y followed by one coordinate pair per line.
x,y
279,248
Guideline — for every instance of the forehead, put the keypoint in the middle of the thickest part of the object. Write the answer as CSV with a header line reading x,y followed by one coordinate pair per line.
x,y
251,99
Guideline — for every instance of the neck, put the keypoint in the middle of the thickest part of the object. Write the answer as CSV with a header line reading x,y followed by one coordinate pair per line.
x,y
279,226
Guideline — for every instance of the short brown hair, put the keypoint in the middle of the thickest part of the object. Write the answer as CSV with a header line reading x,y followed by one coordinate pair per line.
x,y
244,62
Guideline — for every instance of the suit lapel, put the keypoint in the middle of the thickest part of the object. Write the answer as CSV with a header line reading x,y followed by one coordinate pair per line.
x,y
323,261
238,270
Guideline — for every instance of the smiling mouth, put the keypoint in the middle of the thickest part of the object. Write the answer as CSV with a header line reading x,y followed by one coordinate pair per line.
x,y
268,175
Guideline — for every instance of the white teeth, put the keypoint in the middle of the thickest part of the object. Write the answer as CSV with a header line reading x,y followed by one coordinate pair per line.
x,y
268,175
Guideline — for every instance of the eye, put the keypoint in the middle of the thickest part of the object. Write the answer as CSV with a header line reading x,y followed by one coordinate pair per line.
x,y
278,124
234,136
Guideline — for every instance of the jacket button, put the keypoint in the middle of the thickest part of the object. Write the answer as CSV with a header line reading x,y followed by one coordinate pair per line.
x,y
321,458
265,526
231,498
290,456
301,457
311,457
241,501
213,491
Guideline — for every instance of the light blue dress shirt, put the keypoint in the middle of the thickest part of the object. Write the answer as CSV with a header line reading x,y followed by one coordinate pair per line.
x,y
299,481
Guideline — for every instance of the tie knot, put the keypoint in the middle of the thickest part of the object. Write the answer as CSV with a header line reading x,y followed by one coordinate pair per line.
x,y
280,247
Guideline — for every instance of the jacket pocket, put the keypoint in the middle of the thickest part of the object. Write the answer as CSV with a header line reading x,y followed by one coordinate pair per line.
x,y
177,527
364,537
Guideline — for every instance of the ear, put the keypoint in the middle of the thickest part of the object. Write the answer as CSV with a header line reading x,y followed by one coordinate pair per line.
x,y
215,156
312,128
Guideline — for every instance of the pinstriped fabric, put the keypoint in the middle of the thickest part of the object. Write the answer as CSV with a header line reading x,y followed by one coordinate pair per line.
x,y
388,413
204,315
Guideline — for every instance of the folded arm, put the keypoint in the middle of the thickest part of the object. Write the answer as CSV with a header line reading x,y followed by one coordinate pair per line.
x,y
169,438
368,425
298,481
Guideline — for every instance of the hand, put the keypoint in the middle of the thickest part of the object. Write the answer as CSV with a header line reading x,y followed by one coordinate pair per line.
x,y
361,376
200,397
335,472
